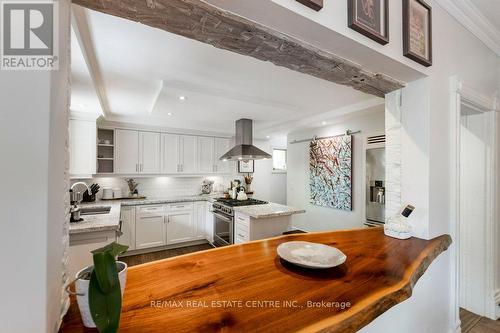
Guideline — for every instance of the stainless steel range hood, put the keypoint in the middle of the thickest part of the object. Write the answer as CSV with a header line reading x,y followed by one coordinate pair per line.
x,y
244,149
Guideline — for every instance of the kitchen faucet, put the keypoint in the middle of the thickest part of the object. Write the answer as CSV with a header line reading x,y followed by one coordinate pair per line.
x,y
76,197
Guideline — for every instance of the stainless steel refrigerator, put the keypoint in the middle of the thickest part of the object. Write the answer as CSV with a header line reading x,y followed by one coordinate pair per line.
x,y
375,186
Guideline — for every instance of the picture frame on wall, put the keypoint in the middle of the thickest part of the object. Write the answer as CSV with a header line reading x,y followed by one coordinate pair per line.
x,y
316,5
417,31
370,18
246,166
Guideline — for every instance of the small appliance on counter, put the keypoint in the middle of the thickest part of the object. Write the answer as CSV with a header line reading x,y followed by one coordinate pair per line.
x,y
207,186
398,226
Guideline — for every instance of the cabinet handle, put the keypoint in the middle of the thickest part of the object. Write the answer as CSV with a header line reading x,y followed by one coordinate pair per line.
x,y
142,167
136,167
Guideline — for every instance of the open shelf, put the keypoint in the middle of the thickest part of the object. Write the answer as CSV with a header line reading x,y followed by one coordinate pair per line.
x,y
105,150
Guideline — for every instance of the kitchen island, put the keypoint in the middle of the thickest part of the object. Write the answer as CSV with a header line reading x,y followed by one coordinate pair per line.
x,y
248,288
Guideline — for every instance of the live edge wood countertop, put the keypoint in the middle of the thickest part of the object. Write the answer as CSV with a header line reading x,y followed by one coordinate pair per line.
x,y
247,288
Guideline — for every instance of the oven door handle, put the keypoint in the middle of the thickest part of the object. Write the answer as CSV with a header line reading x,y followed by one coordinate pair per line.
x,y
222,217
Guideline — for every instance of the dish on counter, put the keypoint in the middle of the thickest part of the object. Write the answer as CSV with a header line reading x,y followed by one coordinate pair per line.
x,y
311,255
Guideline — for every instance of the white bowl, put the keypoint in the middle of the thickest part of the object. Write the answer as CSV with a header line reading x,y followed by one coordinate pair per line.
x,y
311,255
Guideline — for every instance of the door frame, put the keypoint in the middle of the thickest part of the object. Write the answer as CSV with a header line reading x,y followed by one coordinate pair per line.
x,y
461,93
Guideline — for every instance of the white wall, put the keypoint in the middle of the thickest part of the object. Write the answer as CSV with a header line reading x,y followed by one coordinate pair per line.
x,y
33,204
298,191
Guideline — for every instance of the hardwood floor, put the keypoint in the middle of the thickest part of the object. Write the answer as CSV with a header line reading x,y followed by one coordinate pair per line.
x,y
158,255
472,323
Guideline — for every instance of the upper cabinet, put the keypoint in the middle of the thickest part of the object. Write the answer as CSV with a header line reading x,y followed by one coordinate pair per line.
x,y
206,154
82,147
188,152
221,146
149,152
126,151
145,152
169,153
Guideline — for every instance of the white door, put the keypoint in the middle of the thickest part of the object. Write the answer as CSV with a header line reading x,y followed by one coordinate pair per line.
x,y
221,146
188,154
127,227
170,153
206,154
149,151
180,227
126,151
199,226
150,227
82,147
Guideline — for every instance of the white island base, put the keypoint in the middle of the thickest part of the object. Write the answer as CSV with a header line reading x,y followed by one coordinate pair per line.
x,y
247,228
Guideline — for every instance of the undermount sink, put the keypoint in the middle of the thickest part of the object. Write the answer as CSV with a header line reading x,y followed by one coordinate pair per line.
x,y
95,210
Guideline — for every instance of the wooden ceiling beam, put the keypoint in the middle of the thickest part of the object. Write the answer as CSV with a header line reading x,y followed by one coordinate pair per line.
x,y
196,19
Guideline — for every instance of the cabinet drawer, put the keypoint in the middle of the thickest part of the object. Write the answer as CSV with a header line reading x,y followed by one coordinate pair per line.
x,y
242,232
242,219
149,211
180,206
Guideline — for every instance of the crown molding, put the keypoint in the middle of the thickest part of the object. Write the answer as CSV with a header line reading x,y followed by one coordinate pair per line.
x,y
467,14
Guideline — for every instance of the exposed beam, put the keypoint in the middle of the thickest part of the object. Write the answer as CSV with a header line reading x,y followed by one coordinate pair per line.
x,y
204,22
79,23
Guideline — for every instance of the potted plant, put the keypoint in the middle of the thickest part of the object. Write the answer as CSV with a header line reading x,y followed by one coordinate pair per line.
x,y
99,289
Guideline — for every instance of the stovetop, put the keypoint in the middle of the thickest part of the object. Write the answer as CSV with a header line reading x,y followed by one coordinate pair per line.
x,y
237,203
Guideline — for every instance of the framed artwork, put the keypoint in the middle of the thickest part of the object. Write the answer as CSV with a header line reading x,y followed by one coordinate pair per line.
x,y
246,166
370,18
330,172
313,4
417,31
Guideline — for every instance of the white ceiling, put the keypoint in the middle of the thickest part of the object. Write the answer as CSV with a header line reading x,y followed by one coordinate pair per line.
x,y
145,70
490,9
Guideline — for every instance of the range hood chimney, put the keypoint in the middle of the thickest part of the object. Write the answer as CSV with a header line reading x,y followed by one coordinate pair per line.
x,y
244,148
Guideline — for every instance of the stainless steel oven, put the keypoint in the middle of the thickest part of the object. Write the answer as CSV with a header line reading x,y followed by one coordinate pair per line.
x,y
223,225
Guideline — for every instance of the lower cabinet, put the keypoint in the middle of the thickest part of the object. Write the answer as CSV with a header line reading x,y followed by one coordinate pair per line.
x,y
127,220
150,226
150,230
180,227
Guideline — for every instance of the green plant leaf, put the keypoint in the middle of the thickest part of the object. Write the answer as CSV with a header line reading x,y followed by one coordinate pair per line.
x,y
114,248
105,271
105,306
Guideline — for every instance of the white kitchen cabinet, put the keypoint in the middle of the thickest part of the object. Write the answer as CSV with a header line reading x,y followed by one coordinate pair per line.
x,y
149,152
199,225
150,230
209,222
188,157
82,148
126,151
206,154
180,227
170,153
127,219
247,228
221,146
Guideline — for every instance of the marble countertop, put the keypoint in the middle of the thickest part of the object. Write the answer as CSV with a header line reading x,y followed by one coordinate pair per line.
x,y
111,221
268,210
98,222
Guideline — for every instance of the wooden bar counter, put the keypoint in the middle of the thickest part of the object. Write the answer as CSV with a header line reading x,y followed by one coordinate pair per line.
x,y
248,288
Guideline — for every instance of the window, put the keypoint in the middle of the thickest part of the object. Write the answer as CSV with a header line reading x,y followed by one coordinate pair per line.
x,y
279,159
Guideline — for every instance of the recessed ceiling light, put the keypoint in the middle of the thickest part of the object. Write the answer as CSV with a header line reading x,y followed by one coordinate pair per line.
x,y
323,123
169,113
182,98
267,136
240,158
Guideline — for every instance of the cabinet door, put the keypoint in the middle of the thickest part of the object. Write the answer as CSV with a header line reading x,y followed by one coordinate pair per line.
x,y
199,225
149,151
222,146
127,227
150,227
209,222
82,147
170,153
206,154
188,154
180,227
127,151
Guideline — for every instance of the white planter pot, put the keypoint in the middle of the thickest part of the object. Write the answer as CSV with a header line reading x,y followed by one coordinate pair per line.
x,y
82,290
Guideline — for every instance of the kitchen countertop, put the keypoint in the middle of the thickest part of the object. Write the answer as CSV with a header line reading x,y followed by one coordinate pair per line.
x,y
248,288
111,221
267,210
